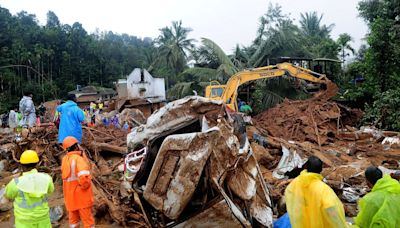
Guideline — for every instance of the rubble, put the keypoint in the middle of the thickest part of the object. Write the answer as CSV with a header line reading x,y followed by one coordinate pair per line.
x,y
315,120
99,144
193,162
198,161
294,130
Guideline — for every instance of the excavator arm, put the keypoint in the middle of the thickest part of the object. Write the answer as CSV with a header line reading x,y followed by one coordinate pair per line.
x,y
230,90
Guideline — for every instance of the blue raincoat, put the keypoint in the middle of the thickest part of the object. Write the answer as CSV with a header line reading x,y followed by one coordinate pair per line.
x,y
70,121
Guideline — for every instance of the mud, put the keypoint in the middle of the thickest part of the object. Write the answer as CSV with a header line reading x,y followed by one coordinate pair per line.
x,y
323,128
315,120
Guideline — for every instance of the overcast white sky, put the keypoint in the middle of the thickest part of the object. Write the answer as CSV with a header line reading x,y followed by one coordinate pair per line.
x,y
227,22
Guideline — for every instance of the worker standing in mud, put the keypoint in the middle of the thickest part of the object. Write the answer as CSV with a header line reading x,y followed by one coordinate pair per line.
x,y
312,203
70,121
77,184
30,193
380,207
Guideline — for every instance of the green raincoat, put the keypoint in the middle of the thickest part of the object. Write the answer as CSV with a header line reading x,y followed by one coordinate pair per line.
x,y
380,207
246,109
30,193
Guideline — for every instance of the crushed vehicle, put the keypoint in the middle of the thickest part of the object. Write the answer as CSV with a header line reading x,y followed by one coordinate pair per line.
x,y
192,163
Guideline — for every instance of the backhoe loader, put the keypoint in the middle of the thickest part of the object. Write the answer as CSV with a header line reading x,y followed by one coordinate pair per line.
x,y
228,93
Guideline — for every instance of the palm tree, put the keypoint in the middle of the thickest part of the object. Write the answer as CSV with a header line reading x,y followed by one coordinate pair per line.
x,y
240,57
174,45
211,64
310,24
281,40
343,42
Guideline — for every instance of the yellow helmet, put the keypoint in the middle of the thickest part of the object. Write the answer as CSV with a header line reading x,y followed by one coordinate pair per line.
x,y
28,157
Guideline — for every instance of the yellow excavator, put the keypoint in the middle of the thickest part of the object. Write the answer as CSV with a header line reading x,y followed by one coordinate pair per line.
x,y
228,93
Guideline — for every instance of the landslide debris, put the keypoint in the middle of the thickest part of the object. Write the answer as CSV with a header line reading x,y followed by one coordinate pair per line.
x,y
295,130
315,120
104,147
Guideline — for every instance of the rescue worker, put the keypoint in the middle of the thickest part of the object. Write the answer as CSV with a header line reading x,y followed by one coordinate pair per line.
x,y
30,193
92,107
245,108
312,203
77,184
13,119
27,109
70,121
240,103
380,207
101,106
42,112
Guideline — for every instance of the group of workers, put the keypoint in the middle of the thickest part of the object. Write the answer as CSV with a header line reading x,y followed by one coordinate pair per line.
x,y
312,203
24,116
30,191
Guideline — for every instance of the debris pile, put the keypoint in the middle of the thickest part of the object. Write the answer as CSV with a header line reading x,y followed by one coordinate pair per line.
x,y
198,168
295,130
104,146
193,162
306,120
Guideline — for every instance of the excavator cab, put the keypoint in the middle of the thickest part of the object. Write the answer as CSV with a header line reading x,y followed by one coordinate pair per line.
x,y
214,90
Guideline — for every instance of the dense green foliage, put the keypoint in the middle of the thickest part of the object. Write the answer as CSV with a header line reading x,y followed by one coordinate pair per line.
x,y
379,64
384,111
277,36
51,60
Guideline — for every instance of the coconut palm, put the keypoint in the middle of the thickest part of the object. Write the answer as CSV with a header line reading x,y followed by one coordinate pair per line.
x,y
343,42
310,25
282,40
212,65
210,55
174,45
240,57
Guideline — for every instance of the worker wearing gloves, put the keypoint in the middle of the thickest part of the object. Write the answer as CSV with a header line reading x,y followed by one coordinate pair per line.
x,y
71,118
27,109
77,184
30,193
312,203
380,207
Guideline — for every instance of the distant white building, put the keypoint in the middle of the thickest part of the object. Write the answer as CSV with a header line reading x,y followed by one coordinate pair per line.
x,y
140,88
140,84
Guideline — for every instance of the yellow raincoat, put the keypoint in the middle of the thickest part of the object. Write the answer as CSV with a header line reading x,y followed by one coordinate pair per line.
x,y
380,207
312,203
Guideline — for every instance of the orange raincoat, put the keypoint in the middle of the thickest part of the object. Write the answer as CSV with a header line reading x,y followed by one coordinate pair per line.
x,y
77,181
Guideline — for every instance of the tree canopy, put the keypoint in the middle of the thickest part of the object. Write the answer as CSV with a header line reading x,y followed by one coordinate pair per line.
x,y
52,59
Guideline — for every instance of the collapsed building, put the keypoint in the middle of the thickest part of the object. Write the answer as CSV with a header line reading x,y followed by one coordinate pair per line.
x,y
140,90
